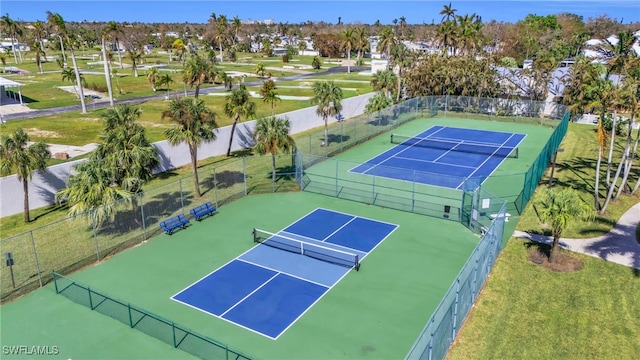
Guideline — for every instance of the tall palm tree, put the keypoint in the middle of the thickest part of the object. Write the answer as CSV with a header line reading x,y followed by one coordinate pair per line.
x,y
346,42
387,41
39,33
107,67
115,30
125,148
238,105
13,29
152,77
16,156
195,124
195,73
38,52
236,24
272,136
447,12
328,96
58,23
558,209
361,42
402,58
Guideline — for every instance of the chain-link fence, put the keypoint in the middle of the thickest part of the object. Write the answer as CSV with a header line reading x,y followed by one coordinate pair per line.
x,y
137,318
74,242
443,325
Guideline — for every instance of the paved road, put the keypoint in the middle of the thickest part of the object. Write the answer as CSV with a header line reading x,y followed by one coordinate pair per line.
x,y
618,246
74,108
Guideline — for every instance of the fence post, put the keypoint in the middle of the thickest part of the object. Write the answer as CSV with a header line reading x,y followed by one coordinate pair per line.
x,y
215,187
181,197
35,255
430,347
413,192
244,173
95,235
455,310
55,281
144,226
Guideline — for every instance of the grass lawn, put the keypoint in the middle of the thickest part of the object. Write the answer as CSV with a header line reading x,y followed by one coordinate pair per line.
x,y
527,312
576,169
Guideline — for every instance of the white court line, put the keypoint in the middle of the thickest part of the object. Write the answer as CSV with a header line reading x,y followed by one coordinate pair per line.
x,y
433,162
503,159
389,157
490,157
340,228
361,217
251,293
321,241
286,273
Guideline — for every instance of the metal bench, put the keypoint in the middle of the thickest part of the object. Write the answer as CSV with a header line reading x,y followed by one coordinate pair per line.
x,y
173,223
203,210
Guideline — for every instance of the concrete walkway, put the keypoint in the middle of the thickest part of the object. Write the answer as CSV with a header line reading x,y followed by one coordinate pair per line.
x,y
618,246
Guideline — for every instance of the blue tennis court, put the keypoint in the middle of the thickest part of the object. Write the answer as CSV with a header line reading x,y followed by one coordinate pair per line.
x,y
444,156
269,287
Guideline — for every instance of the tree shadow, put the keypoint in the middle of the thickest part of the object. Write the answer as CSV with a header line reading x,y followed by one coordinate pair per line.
x,y
381,120
544,249
334,138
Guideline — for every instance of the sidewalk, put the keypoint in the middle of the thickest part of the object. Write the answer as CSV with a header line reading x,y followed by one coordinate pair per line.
x,y
618,246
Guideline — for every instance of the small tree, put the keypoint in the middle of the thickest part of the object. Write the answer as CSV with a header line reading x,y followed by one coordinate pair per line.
x,y
236,106
315,63
328,97
272,136
260,69
269,94
16,157
558,209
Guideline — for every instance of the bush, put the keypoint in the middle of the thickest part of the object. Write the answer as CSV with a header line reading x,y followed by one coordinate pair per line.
x,y
98,88
316,63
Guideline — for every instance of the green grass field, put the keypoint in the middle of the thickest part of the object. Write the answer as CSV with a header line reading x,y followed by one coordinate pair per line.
x,y
376,312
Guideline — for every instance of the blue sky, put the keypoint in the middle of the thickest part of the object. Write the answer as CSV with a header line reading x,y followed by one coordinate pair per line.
x,y
351,11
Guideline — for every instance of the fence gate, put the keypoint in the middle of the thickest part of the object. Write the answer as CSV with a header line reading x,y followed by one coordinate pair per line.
x,y
470,199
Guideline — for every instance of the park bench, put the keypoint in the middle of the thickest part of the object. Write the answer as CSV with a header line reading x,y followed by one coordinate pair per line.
x,y
202,211
173,223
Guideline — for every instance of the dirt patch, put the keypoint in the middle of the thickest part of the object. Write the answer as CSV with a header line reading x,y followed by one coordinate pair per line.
x,y
90,119
565,262
42,133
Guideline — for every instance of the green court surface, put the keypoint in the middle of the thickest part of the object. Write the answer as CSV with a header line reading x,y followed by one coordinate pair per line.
x,y
506,182
376,312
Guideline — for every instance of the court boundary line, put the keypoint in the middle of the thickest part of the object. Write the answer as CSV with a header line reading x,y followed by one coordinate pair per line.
x,y
322,241
427,161
286,273
340,228
401,151
251,293
501,161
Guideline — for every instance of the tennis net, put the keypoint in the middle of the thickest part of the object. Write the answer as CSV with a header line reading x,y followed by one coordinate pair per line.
x,y
305,248
473,148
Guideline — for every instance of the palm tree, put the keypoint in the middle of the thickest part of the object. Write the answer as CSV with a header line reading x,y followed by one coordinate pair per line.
x,y
195,73
558,209
135,57
347,42
39,33
69,75
328,97
269,94
153,75
361,42
55,21
16,157
107,70
58,23
38,53
387,41
165,80
448,12
236,24
401,57
376,104
238,105
180,49
13,29
272,136
125,149
195,125
260,69
115,30
386,81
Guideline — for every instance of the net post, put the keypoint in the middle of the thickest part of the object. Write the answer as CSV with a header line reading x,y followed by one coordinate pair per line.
x,y
255,236
357,267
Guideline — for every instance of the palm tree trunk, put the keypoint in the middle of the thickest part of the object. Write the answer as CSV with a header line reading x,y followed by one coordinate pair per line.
x,y
273,169
326,130
25,189
75,67
554,248
233,129
107,72
193,149
348,60
613,185
597,182
64,57
13,47
119,54
44,53
629,160
613,135
399,83
635,188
